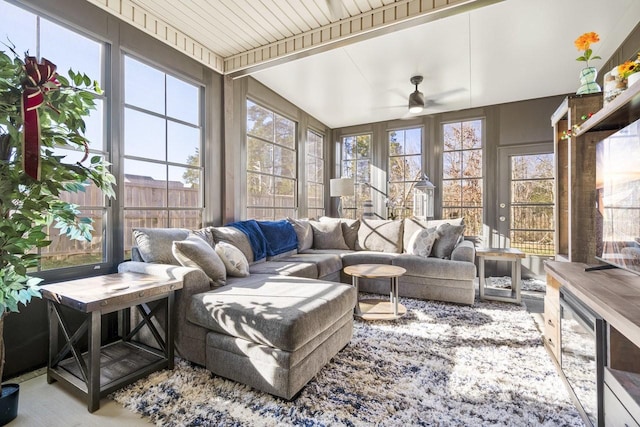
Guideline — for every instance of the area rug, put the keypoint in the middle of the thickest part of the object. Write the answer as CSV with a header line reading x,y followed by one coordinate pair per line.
x,y
440,365
535,285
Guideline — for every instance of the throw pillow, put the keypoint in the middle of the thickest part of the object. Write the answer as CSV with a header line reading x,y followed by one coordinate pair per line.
x,y
303,232
195,252
380,235
448,237
234,237
234,260
154,244
350,229
327,235
422,242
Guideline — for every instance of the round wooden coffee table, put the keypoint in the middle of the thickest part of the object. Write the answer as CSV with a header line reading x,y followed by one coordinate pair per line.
x,y
378,309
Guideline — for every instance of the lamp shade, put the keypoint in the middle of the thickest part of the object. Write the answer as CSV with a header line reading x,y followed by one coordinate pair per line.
x,y
341,187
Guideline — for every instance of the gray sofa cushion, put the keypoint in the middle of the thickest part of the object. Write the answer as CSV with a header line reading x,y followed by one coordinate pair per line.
x,y
327,235
435,268
464,251
154,244
286,268
279,311
367,257
234,237
325,263
195,252
379,235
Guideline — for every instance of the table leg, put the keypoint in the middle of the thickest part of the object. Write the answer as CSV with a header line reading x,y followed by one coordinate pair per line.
x,y
93,386
481,283
53,339
169,329
394,293
516,278
356,309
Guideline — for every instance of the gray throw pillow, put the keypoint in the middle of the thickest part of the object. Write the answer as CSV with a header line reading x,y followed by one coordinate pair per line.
x,y
154,244
234,237
327,235
234,260
422,242
195,252
448,237
350,229
303,232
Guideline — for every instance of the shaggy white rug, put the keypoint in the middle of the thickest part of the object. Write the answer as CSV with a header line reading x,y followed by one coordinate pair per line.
x,y
525,284
440,365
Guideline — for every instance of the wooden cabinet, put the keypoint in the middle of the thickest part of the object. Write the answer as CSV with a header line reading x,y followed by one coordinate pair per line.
x,y
575,163
613,295
552,317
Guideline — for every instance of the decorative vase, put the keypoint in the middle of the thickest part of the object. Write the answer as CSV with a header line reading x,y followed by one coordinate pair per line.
x,y
633,78
588,81
9,403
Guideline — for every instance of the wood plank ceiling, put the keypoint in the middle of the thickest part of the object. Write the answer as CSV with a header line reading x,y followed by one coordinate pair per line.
x,y
240,36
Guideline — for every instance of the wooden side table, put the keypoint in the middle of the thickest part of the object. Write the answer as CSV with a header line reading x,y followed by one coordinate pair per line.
x,y
501,254
103,369
378,309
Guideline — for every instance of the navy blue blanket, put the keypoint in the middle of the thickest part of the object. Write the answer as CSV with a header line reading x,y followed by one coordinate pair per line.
x,y
256,238
280,236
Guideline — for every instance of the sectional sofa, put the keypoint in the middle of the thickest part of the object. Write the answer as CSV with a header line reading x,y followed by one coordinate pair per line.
x,y
266,303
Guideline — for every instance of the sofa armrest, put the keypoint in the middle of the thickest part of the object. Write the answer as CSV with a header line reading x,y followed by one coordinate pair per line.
x,y
464,251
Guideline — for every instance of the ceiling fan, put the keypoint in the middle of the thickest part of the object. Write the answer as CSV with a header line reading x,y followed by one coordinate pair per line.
x,y
416,99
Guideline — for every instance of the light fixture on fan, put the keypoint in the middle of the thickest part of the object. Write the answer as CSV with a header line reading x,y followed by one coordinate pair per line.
x,y
416,99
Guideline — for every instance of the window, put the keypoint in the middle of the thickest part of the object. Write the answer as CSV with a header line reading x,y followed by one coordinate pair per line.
x,y
43,38
315,174
271,164
462,186
532,201
356,163
405,167
162,143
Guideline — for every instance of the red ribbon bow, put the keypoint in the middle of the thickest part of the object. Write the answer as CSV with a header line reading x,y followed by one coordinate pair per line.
x,y
38,75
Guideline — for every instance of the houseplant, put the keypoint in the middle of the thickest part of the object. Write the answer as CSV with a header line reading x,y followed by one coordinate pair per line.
x,y
40,111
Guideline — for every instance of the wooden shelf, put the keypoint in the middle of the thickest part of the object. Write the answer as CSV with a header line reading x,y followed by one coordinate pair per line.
x,y
620,112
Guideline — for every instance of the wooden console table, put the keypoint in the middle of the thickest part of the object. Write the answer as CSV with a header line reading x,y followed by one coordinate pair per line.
x,y
103,369
614,295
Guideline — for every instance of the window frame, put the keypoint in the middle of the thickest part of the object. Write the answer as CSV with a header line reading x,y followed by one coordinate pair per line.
x,y
461,206
352,206
321,210
406,209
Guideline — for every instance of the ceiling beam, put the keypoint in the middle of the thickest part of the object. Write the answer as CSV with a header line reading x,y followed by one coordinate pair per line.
x,y
383,20
146,21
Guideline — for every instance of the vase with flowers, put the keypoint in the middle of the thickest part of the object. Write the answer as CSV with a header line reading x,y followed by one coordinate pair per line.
x,y
630,71
588,74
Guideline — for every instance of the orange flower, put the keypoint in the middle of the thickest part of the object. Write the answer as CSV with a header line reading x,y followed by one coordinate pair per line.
x,y
584,41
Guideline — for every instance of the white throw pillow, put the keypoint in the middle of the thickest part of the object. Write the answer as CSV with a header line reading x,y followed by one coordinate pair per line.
x,y
234,260
422,242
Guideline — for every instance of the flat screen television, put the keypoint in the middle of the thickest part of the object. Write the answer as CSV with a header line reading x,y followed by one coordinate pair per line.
x,y
618,198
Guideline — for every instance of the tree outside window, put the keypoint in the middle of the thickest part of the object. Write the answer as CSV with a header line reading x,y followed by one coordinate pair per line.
x,y
462,179
271,164
356,164
405,167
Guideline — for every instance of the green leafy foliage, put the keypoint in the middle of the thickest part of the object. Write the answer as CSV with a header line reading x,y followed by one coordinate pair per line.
x,y
29,207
